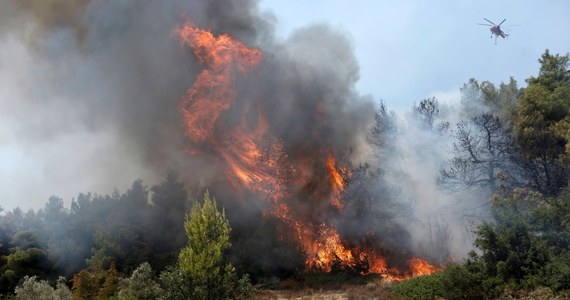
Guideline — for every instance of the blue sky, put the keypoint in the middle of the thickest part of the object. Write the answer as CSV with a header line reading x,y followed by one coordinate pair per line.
x,y
409,50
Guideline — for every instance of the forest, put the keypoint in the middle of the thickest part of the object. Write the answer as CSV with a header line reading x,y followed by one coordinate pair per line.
x,y
179,240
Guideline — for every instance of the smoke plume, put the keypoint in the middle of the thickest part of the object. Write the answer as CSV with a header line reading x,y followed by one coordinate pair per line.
x,y
91,97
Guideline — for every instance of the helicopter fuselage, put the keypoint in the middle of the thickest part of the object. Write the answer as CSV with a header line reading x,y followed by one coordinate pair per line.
x,y
496,30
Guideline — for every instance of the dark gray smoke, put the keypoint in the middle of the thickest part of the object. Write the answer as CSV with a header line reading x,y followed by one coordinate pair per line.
x,y
91,88
100,82
90,94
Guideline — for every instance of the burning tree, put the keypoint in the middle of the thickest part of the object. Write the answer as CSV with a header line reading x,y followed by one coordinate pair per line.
x,y
302,175
483,149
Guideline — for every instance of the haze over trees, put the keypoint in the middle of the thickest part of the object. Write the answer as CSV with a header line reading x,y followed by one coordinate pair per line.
x,y
514,144
511,144
482,151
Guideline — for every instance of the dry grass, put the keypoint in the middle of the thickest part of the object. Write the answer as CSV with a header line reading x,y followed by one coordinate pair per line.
x,y
537,294
352,292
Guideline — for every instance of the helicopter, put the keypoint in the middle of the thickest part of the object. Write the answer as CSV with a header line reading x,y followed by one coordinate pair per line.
x,y
496,29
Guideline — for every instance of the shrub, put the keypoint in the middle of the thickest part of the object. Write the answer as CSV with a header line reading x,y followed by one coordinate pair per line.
x,y
462,282
421,287
140,285
557,272
175,283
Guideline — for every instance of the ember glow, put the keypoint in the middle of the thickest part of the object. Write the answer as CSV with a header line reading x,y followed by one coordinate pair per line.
x,y
256,160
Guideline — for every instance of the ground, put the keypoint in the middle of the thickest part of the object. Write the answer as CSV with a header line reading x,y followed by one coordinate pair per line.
x,y
293,290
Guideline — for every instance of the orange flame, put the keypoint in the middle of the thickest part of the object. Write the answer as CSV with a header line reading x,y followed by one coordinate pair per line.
x,y
327,248
336,179
420,267
212,92
337,183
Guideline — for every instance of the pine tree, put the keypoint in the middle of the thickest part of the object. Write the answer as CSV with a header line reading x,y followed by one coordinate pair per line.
x,y
542,128
203,259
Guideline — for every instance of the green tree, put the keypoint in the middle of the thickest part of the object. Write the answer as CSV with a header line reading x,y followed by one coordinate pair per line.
x,y
542,126
22,262
526,245
484,97
105,251
141,285
32,288
203,259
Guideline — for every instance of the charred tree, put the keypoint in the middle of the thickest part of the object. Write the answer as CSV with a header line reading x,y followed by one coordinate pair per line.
x,y
482,151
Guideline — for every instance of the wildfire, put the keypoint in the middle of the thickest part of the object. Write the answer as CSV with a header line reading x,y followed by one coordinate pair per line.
x,y
257,161
322,253
420,267
212,92
337,183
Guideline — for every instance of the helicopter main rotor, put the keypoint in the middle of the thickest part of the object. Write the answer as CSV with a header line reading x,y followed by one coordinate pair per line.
x,y
495,29
492,24
490,21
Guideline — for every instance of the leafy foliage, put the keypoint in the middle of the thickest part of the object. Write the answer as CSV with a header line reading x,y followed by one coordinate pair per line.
x,y
421,287
141,285
20,263
526,246
202,260
543,125
176,284
32,288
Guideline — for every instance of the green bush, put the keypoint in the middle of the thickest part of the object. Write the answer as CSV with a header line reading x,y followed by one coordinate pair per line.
x,y
557,273
175,283
458,283
525,247
421,287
